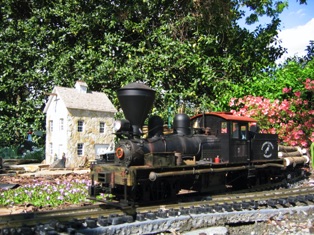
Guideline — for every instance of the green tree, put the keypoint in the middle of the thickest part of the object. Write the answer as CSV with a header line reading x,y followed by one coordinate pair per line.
x,y
291,75
188,51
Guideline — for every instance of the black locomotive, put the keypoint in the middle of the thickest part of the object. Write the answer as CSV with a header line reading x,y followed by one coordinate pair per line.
x,y
208,153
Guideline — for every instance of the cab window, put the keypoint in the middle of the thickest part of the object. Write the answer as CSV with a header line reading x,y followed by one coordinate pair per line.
x,y
243,132
235,130
223,129
239,131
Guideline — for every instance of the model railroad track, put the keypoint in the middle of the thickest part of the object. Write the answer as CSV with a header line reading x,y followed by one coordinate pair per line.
x,y
85,219
239,201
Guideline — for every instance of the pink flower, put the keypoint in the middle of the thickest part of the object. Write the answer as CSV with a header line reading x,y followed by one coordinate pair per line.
x,y
232,100
286,90
272,130
297,94
304,143
309,84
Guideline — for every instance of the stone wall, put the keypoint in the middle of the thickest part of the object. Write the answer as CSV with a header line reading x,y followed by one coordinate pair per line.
x,y
90,135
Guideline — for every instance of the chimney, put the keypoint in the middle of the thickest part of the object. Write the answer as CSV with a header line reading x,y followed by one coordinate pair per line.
x,y
81,86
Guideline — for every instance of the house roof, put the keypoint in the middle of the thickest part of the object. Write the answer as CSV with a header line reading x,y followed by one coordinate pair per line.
x,y
74,99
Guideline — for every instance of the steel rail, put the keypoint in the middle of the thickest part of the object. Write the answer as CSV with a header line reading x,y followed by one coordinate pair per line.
x,y
33,218
94,211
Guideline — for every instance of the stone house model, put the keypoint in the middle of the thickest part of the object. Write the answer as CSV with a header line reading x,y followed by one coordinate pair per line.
x,y
78,124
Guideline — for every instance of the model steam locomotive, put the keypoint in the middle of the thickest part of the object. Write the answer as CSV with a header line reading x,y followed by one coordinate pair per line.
x,y
208,153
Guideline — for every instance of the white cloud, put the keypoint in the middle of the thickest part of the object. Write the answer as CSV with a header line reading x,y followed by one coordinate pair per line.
x,y
296,39
300,12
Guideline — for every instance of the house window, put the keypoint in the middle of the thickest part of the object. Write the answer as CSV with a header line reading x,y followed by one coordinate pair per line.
x,y
61,124
51,148
101,127
51,125
80,126
80,149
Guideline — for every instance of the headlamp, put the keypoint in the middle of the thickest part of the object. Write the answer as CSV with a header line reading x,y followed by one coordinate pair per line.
x,y
121,125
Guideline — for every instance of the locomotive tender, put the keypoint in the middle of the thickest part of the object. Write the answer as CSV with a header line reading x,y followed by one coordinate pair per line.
x,y
207,153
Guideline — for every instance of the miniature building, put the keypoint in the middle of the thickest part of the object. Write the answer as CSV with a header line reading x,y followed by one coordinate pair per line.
x,y
78,124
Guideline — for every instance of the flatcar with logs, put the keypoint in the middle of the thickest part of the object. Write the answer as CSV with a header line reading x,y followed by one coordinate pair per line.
x,y
207,153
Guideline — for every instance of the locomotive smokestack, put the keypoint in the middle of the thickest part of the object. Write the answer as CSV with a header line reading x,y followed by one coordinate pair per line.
x,y
136,100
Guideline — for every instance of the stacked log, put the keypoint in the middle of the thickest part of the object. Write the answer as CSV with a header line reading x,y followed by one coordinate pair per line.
x,y
293,155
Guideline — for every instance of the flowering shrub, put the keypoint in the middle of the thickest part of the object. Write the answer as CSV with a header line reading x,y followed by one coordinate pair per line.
x,y
41,194
292,118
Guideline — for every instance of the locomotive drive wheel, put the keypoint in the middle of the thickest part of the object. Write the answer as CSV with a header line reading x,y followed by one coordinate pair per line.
x,y
156,191
161,190
237,180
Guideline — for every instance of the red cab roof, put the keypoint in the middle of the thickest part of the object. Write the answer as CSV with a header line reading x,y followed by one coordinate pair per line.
x,y
227,116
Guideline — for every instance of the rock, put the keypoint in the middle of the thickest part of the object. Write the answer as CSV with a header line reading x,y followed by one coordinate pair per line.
x,y
209,231
59,163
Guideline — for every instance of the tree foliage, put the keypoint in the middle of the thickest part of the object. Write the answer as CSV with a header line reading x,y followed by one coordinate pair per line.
x,y
188,51
291,74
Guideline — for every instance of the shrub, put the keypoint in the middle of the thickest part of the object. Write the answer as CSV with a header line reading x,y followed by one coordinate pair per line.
x,y
291,118
20,152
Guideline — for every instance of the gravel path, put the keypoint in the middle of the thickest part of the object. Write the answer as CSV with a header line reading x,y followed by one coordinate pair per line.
x,y
301,222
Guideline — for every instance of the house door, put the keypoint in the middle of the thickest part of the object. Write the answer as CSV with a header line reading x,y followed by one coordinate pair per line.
x,y
60,151
101,149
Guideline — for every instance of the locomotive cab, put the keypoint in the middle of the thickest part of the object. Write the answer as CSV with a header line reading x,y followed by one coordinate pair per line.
x,y
233,132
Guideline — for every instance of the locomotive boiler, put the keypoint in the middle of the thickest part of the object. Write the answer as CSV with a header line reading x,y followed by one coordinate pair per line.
x,y
207,153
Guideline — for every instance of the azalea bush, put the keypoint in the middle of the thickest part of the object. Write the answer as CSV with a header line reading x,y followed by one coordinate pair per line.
x,y
291,118
41,194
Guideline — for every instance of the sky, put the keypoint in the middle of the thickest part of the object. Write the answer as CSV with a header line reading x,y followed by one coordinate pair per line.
x,y
297,28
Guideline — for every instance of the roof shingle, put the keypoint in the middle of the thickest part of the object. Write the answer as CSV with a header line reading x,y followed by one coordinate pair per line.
x,y
73,99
